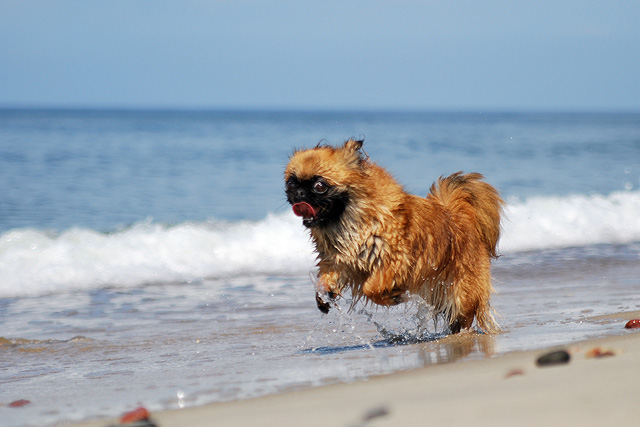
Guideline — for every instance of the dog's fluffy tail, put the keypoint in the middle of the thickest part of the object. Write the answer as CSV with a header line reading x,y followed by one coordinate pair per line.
x,y
457,191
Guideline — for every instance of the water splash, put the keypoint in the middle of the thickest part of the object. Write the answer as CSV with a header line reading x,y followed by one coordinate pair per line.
x,y
417,323
411,323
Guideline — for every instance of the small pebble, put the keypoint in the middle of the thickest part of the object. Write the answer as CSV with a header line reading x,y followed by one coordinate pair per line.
x,y
554,358
633,324
139,414
377,412
597,352
514,372
19,403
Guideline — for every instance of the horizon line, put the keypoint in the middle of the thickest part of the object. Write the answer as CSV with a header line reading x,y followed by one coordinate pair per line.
x,y
318,109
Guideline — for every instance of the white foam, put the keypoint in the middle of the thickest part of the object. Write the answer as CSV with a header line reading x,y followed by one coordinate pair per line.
x,y
577,220
34,262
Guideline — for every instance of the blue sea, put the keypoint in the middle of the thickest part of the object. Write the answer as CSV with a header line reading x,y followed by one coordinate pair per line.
x,y
150,258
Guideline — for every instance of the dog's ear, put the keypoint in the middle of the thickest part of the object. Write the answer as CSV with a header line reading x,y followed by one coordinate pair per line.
x,y
353,149
353,144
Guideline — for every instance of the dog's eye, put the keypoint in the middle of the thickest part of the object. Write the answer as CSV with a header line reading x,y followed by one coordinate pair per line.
x,y
320,187
291,184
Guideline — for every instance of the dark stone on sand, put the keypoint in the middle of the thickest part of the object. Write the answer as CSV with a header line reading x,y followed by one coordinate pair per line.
x,y
557,357
377,412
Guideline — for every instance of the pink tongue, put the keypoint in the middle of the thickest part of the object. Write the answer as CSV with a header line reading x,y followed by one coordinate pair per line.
x,y
304,210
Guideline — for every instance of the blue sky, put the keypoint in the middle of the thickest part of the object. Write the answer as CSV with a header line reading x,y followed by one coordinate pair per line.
x,y
280,54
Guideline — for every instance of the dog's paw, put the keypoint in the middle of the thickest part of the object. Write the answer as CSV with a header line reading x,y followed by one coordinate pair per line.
x,y
325,300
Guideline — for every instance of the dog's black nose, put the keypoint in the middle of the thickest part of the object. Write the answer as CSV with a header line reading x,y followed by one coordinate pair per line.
x,y
300,193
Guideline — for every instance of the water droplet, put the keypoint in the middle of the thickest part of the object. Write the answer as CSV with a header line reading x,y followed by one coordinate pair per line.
x,y
180,395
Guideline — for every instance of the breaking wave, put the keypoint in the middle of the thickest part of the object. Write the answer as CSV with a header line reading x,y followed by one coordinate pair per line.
x,y
34,262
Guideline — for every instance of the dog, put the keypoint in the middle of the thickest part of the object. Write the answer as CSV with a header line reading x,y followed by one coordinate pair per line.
x,y
385,244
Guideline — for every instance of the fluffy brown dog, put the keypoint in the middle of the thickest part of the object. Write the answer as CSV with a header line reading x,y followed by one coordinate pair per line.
x,y
384,244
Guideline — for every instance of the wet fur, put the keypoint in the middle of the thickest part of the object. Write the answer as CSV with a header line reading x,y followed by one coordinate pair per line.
x,y
384,243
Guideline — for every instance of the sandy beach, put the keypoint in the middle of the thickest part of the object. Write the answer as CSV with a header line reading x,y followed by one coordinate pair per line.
x,y
599,385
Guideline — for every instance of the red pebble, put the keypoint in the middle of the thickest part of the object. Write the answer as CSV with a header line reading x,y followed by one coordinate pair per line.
x,y
139,414
514,372
633,324
597,352
19,403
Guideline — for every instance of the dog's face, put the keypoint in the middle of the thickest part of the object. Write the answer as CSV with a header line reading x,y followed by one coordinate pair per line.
x,y
317,182
316,200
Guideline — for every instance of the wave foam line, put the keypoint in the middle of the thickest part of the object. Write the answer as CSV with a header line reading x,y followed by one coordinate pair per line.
x,y
34,262
577,220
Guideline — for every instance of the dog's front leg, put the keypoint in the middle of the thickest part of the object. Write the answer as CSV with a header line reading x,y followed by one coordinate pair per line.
x,y
327,290
381,288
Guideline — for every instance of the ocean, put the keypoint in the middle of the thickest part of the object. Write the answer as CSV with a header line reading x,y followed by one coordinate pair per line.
x,y
150,257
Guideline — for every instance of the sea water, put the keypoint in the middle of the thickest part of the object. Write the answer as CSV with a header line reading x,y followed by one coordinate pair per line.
x,y
149,257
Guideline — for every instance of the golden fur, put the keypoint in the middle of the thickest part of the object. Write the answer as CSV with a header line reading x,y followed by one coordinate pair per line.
x,y
387,243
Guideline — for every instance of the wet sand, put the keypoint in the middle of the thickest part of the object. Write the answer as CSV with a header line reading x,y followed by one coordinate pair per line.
x,y
507,390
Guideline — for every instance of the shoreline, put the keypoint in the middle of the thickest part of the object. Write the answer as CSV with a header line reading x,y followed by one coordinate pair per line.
x,y
600,385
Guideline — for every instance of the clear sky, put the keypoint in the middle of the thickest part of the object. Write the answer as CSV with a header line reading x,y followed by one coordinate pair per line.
x,y
281,54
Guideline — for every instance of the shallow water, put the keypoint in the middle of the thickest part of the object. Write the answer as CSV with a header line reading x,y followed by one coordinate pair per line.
x,y
149,257
184,344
